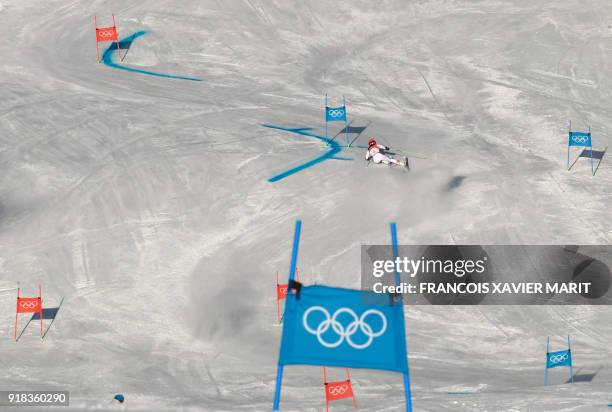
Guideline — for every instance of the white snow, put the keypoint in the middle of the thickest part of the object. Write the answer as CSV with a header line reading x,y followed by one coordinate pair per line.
x,y
144,201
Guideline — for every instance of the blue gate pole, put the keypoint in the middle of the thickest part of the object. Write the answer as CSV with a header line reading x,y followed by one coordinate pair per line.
x,y
395,250
294,254
546,365
591,140
569,137
326,138
569,348
345,121
407,391
279,383
296,247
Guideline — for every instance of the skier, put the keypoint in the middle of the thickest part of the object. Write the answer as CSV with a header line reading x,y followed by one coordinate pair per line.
x,y
376,152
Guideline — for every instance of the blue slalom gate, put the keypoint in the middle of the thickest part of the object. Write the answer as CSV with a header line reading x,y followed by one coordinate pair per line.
x,y
557,359
580,139
329,326
337,114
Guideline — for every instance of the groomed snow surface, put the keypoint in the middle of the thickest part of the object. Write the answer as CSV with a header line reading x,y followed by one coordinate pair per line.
x,y
144,201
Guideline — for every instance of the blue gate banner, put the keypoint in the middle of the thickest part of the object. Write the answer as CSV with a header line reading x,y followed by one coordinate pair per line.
x,y
580,139
343,327
559,358
335,114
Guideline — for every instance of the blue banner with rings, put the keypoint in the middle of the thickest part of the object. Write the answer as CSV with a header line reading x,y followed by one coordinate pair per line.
x,y
559,358
335,114
341,327
580,139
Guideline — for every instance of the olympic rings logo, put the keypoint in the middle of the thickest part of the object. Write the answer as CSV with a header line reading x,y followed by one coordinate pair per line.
x,y
342,332
106,33
336,113
282,289
580,139
337,389
29,305
554,359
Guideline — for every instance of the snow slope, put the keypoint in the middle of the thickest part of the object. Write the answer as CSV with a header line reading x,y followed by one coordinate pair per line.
x,y
144,201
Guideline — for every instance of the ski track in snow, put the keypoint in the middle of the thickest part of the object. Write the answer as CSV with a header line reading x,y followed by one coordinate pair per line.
x,y
148,203
107,59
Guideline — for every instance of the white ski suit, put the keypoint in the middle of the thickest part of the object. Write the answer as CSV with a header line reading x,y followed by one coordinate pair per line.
x,y
376,153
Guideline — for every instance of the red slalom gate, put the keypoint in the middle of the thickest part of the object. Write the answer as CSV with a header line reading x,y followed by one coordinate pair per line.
x,y
104,34
281,292
336,390
29,305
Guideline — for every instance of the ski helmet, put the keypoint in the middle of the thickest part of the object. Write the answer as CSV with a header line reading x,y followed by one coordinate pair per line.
x,y
371,142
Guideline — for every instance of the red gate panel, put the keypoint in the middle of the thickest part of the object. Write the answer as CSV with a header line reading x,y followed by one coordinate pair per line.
x,y
29,305
336,390
106,34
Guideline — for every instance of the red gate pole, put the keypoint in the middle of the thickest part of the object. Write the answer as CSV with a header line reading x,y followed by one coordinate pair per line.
x,y
41,310
16,316
348,378
96,31
287,291
277,299
117,40
325,387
